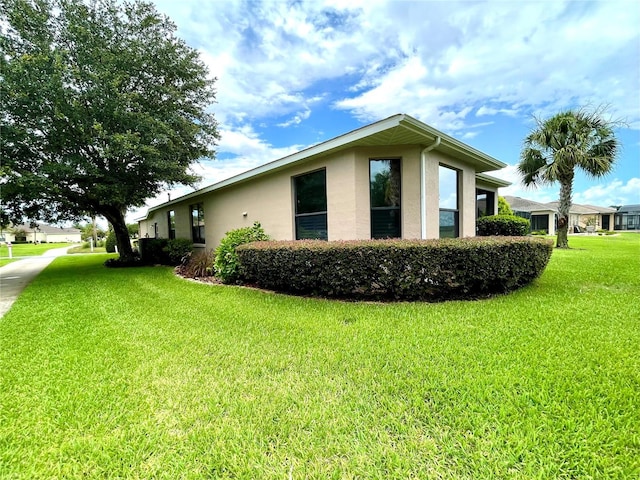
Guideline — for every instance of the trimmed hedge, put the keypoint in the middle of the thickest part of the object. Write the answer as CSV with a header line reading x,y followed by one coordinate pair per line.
x,y
508,225
430,270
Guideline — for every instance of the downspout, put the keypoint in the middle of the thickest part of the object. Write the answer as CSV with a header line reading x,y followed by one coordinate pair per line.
x,y
423,180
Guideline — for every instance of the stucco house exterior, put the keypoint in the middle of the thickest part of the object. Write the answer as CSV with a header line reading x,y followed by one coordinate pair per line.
x,y
41,234
627,217
397,177
543,216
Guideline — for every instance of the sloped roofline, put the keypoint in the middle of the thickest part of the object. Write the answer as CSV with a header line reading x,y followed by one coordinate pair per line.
x,y
493,181
423,133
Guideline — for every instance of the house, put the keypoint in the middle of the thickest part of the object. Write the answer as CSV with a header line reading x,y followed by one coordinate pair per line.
x,y
41,234
397,177
627,217
543,216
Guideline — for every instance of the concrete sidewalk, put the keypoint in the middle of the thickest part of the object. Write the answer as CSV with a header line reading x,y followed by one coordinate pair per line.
x,y
17,275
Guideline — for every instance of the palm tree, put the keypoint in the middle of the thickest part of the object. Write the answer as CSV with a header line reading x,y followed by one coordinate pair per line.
x,y
553,150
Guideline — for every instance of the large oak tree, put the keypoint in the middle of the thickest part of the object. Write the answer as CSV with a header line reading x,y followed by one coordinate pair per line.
x,y
102,107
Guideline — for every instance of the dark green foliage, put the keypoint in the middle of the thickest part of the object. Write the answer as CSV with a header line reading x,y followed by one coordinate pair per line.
x,y
152,251
103,106
110,242
226,258
430,270
508,225
122,263
199,264
162,251
177,249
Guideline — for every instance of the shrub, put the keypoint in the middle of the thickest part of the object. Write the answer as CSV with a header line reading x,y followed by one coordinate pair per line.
x,y
429,270
119,263
152,251
503,207
226,258
502,225
110,242
198,264
177,249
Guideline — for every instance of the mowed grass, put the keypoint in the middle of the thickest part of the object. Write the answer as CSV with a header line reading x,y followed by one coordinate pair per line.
x,y
134,373
26,250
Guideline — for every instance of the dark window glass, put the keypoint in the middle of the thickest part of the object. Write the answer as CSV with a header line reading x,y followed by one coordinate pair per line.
x,y
484,203
385,197
197,223
171,221
448,181
310,192
539,222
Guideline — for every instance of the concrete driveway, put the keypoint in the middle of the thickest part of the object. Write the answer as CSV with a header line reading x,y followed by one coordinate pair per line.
x,y
17,275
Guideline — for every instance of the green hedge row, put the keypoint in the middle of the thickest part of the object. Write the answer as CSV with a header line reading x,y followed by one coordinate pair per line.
x,y
508,225
430,270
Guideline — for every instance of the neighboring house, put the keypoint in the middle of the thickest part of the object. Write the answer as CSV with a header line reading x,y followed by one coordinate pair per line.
x,y
394,178
627,217
543,216
41,234
584,215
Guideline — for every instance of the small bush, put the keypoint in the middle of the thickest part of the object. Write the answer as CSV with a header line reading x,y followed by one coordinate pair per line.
x,y
198,264
177,249
152,251
503,225
539,232
429,270
110,242
119,263
226,258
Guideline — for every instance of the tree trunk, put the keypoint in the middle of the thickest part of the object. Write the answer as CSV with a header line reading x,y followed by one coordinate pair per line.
x,y
117,221
94,231
564,206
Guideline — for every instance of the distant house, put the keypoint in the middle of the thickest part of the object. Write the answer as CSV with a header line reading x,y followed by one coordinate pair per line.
x,y
543,216
41,234
627,217
396,178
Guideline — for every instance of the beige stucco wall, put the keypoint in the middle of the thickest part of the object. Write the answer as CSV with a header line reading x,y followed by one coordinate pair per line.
x,y
269,199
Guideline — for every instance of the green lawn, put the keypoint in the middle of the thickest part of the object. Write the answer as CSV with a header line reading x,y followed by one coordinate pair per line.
x,y
133,373
26,250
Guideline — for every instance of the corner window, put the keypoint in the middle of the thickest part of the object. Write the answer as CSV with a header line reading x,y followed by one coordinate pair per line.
x,y
197,223
171,222
448,183
384,190
484,203
310,194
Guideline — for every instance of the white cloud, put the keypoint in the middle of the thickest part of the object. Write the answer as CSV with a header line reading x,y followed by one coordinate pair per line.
x,y
615,192
446,63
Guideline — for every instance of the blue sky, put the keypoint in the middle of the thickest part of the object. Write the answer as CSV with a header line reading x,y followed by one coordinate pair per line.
x,y
292,74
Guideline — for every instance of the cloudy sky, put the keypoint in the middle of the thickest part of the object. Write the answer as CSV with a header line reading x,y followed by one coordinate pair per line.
x,y
295,73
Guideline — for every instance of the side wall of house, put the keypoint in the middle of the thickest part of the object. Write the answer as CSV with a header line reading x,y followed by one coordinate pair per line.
x,y
270,199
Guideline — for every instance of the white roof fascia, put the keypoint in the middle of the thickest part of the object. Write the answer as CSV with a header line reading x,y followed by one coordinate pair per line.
x,y
457,145
493,181
403,120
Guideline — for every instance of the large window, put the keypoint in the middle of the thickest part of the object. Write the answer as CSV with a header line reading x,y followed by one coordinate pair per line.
x,y
197,223
384,189
310,193
484,203
171,222
448,182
